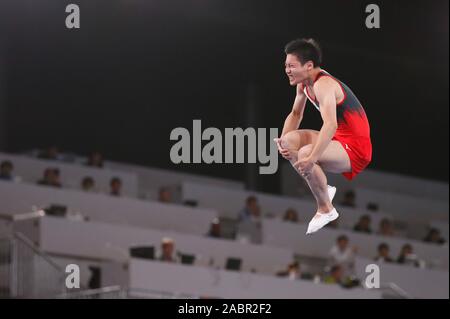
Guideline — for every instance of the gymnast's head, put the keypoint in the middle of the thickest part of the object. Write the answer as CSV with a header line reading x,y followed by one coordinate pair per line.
x,y
302,56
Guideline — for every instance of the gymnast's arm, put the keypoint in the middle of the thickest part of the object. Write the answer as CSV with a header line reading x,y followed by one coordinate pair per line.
x,y
295,117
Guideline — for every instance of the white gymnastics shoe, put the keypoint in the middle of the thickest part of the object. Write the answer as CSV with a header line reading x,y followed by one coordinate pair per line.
x,y
320,220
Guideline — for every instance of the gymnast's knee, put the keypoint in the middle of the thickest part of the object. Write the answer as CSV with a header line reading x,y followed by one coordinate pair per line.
x,y
305,151
290,140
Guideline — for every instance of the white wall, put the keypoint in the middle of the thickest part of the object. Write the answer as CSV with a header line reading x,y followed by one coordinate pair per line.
x,y
408,203
205,282
229,202
371,179
101,241
85,273
151,179
71,175
418,283
404,206
293,236
19,198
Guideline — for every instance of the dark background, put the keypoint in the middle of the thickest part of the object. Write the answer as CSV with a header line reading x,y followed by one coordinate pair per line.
x,y
136,69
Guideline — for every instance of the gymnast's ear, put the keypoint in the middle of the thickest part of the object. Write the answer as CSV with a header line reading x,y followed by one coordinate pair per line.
x,y
309,65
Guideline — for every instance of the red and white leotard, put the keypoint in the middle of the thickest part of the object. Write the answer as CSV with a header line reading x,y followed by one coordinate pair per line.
x,y
353,130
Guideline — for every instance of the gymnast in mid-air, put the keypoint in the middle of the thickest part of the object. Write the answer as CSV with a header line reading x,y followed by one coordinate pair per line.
x,y
343,143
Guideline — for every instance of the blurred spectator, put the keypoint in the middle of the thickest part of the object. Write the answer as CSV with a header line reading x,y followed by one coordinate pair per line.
x,y
383,253
46,179
372,207
249,226
434,236
407,256
349,199
168,250
88,184
55,177
363,225
337,276
116,186
251,211
385,228
164,195
51,178
95,159
51,152
291,215
214,230
292,272
6,168
344,255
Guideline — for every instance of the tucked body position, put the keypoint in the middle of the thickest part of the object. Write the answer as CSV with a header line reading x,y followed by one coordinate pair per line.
x,y
343,144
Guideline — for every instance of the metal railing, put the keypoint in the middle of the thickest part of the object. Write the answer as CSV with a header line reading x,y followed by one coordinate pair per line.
x,y
392,290
27,272
118,292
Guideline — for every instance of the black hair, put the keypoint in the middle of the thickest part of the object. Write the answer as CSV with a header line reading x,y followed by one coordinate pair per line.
x,y
305,50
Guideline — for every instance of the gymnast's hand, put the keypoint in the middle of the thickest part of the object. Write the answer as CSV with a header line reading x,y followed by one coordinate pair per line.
x,y
283,151
305,166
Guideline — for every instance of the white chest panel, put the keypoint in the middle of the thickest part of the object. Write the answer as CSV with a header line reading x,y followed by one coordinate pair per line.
x,y
313,103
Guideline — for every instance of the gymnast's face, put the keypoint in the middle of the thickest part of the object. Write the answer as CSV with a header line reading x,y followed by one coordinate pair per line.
x,y
295,70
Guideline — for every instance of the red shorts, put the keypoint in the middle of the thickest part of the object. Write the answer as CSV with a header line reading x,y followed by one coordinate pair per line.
x,y
359,150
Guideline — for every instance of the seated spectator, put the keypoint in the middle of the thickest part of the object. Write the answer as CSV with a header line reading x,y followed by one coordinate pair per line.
x,y
291,215
372,207
164,195
88,184
6,168
383,254
335,275
343,255
249,226
116,186
51,153
292,272
51,178
385,228
168,250
407,256
363,225
214,231
46,179
95,159
251,211
434,236
349,199
56,177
